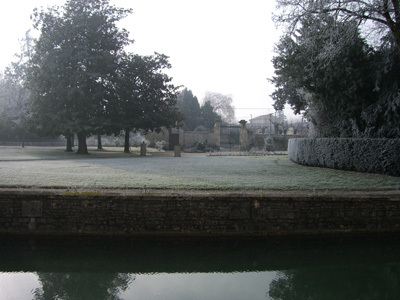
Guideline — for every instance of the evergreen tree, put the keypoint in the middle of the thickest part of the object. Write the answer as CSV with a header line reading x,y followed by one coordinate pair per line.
x,y
333,94
14,95
146,99
383,117
72,70
208,115
190,108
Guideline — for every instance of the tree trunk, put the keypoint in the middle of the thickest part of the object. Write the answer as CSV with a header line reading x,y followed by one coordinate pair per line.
x,y
126,145
82,146
99,144
69,143
23,139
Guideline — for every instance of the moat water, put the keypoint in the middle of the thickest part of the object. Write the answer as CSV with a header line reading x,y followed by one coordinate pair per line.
x,y
200,268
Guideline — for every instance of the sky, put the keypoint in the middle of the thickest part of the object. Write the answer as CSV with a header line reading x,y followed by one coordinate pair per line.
x,y
223,46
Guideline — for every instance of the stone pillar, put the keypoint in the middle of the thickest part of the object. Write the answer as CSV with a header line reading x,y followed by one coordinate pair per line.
x,y
143,149
244,144
177,150
217,133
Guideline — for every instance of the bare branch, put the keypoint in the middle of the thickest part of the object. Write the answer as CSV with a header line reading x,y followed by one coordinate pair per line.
x,y
380,13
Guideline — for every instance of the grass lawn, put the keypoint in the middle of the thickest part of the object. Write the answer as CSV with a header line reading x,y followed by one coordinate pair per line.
x,y
10,153
53,168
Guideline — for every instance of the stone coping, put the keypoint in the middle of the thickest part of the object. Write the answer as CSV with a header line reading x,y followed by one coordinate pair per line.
x,y
339,194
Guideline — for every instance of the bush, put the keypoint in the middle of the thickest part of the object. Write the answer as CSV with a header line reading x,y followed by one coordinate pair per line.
x,y
138,139
269,143
160,145
354,154
259,141
201,147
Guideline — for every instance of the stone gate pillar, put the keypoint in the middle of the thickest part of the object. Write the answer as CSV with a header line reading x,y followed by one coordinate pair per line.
x,y
143,149
244,143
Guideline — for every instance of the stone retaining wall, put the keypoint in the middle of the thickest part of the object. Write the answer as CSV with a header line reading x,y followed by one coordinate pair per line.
x,y
92,213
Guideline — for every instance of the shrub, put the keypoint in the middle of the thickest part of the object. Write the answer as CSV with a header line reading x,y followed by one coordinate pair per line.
x,y
355,154
201,147
269,143
160,145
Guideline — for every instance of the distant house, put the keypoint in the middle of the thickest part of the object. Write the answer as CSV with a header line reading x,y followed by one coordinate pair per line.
x,y
262,120
268,124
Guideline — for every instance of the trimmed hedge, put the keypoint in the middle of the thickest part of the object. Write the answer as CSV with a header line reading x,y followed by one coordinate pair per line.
x,y
353,154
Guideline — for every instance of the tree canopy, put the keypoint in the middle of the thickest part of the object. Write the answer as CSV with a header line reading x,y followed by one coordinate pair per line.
x,y
14,96
333,95
82,80
72,68
194,114
12,100
145,97
383,14
208,115
326,70
189,106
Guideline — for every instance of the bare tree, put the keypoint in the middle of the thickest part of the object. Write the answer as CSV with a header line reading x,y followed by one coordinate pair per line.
x,y
222,105
382,14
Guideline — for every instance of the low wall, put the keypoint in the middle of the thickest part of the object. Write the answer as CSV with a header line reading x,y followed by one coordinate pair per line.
x,y
279,142
195,213
186,138
191,138
363,155
34,144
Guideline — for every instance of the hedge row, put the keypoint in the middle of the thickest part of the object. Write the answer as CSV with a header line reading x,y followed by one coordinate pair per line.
x,y
363,155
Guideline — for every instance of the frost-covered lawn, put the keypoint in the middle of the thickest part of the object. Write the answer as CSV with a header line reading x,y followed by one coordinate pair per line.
x,y
187,172
8,153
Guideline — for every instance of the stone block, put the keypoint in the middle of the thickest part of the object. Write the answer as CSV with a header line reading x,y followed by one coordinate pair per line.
x,y
32,208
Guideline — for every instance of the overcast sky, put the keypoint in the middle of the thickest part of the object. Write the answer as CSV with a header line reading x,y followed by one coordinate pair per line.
x,y
223,46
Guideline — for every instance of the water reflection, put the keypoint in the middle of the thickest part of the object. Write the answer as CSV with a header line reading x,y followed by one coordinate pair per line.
x,y
187,268
219,286
338,282
88,286
18,286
